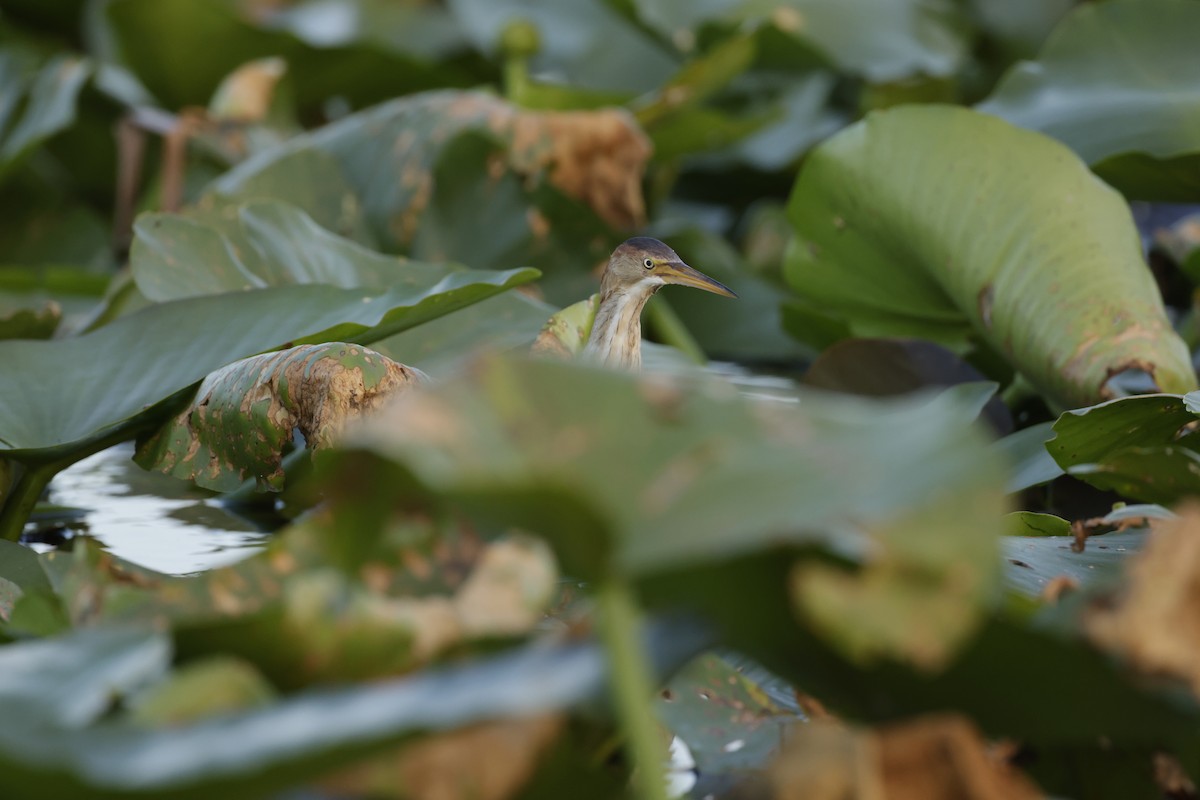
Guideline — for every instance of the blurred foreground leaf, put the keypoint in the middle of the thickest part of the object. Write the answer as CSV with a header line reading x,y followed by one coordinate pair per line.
x,y
248,754
636,476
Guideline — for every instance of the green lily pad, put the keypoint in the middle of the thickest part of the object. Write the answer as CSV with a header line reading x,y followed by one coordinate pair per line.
x,y
170,346
261,243
982,246
310,180
1034,561
1115,79
1142,447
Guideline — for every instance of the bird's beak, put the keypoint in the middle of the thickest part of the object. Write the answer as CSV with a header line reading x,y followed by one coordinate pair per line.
x,y
682,274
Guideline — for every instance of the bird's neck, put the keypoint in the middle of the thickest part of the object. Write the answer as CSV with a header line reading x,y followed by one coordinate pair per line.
x,y
616,338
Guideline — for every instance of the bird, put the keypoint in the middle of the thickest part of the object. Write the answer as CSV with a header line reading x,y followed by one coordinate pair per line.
x,y
637,269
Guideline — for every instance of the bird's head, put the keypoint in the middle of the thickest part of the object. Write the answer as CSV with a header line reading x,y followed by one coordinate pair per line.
x,y
650,263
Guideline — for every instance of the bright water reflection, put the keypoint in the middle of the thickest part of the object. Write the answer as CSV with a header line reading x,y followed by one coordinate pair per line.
x,y
151,519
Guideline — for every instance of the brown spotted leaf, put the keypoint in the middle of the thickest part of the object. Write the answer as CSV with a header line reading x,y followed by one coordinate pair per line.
x,y
243,415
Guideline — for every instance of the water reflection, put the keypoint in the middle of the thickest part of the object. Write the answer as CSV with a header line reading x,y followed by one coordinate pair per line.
x,y
151,519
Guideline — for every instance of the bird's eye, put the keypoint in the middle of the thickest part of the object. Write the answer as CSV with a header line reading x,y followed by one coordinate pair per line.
x,y
649,263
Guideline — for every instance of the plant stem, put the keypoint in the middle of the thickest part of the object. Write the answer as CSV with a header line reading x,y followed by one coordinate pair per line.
x,y
669,328
1018,391
23,497
632,687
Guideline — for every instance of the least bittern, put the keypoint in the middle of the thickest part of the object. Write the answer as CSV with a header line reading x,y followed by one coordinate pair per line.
x,y
637,269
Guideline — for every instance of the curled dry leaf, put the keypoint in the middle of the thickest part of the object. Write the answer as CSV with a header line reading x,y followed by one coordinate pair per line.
x,y
243,415
490,761
594,156
1153,620
930,758
246,93
597,157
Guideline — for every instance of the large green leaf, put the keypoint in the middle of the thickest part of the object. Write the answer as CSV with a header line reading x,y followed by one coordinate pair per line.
x,y
948,224
1034,561
1144,447
70,683
1116,79
311,180
254,753
168,347
641,476
262,243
